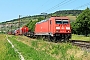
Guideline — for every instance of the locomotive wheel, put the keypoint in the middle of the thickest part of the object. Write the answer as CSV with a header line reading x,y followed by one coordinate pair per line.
x,y
43,37
38,37
50,38
67,40
54,39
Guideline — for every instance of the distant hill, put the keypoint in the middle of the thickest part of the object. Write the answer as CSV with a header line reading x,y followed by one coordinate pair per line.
x,y
14,23
68,12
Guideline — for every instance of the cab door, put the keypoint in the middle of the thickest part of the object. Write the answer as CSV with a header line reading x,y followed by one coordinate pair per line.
x,y
50,27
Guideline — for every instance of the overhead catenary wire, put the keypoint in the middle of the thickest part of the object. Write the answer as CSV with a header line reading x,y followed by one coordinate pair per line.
x,y
86,4
55,5
61,4
44,4
64,2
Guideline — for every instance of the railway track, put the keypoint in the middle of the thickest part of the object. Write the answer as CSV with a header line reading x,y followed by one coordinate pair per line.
x,y
80,43
84,45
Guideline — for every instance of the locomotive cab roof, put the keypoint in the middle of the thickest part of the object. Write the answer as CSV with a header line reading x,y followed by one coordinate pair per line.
x,y
55,17
42,21
60,17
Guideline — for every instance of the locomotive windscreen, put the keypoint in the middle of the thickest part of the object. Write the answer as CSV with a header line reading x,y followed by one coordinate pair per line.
x,y
65,21
59,21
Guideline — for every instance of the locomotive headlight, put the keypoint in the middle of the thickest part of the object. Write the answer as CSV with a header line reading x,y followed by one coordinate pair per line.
x,y
57,27
68,28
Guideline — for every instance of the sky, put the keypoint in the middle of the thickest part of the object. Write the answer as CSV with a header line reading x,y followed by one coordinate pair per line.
x,y
11,9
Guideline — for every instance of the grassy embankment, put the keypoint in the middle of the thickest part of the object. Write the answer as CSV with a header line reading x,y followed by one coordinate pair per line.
x,y
6,51
80,37
42,50
72,18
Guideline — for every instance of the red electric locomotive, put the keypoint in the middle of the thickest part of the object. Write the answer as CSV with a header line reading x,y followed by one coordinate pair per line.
x,y
55,28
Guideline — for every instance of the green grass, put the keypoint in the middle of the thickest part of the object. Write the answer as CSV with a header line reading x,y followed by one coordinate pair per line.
x,y
72,18
80,37
6,51
39,49
10,54
29,52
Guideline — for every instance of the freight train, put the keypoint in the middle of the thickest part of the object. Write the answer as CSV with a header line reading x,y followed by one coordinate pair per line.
x,y
20,31
53,29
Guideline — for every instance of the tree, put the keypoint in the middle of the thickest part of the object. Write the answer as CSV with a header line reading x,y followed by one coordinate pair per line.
x,y
40,18
82,23
31,24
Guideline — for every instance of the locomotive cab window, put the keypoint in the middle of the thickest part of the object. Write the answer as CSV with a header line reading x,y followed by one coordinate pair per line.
x,y
50,22
58,21
65,22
